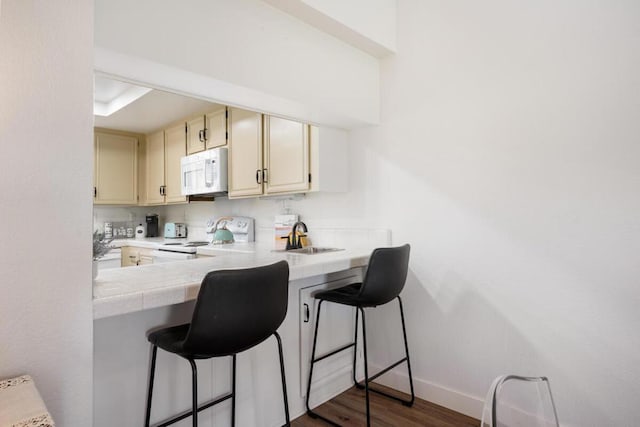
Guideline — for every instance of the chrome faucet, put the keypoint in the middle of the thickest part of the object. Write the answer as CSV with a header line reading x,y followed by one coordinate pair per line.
x,y
295,242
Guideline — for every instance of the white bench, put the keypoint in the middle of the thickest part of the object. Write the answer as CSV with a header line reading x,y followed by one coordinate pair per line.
x,y
21,404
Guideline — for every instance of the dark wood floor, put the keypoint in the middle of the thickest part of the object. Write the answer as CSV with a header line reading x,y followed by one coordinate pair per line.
x,y
348,409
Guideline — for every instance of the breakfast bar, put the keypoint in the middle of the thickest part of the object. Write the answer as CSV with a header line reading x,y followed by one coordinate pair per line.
x,y
128,302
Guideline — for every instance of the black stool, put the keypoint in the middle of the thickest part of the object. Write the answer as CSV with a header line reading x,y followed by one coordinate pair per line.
x,y
383,282
235,310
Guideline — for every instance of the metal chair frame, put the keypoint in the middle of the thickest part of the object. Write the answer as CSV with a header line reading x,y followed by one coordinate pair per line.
x,y
194,391
498,385
367,379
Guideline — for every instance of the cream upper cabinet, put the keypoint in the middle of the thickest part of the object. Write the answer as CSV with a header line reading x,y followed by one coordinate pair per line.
x,y
164,149
154,189
207,131
174,150
196,135
267,155
115,169
286,155
216,129
245,153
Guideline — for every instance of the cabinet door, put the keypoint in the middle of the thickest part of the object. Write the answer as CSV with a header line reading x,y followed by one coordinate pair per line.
x,y
116,169
145,257
216,129
195,135
155,169
174,150
130,256
286,158
245,153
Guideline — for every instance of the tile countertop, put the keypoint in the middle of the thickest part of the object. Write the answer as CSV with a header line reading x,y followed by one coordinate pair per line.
x,y
125,290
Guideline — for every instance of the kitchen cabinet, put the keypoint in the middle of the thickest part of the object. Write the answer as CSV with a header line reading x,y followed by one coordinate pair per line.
x,y
115,169
154,162
207,131
267,155
174,150
286,156
132,256
336,330
161,162
329,168
245,153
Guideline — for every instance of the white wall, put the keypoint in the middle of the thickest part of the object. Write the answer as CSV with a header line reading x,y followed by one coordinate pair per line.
x,y
369,25
46,152
249,44
508,147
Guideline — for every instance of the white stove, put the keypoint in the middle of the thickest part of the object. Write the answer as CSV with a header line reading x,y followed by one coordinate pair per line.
x,y
182,247
176,251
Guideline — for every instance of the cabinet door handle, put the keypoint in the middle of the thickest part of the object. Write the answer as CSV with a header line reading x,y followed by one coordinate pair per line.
x,y
161,190
201,135
258,177
264,175
95,191
306,313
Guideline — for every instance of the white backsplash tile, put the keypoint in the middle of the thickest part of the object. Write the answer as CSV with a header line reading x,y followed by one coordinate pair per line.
x,y
326,226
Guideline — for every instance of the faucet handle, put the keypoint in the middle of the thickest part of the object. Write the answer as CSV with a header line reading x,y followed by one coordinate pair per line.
x,y
290,244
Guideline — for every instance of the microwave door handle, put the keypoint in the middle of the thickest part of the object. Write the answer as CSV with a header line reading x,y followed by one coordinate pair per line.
x,y
209,167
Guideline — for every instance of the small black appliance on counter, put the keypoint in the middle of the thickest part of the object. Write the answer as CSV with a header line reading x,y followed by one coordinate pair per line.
x,y
152,225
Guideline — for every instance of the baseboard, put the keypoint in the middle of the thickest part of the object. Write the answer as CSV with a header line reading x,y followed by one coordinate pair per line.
x,y
435,393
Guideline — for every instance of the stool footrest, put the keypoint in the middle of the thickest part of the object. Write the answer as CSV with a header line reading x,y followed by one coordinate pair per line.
x,y
385,394
188,413
385,370
333,352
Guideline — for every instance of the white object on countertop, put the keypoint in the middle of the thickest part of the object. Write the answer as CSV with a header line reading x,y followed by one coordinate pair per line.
x,y
282,227
140,232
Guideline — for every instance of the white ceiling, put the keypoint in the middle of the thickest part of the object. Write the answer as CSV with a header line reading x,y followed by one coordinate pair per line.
x,y
151,111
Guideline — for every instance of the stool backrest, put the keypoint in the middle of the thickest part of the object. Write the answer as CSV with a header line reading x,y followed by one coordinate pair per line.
x,y
237,309
386,275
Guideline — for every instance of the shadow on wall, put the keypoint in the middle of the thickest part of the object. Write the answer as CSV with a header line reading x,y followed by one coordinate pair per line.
x,y
468,343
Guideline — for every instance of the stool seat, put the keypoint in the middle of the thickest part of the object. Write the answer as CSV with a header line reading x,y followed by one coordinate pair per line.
x,y
346,295
171,339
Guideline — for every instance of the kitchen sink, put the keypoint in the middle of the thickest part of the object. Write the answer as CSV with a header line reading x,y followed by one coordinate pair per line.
x,y
313,250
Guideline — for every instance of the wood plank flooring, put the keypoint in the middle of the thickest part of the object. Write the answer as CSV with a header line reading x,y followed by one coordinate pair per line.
x,y
348,409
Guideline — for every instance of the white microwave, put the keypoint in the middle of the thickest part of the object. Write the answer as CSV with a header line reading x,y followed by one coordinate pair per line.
x,y
204,172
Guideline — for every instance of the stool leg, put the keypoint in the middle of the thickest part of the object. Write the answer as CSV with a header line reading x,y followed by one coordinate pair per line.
x,y
194,392
284,381
233,390
313,355
406,350
366,365
355,350
152,372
